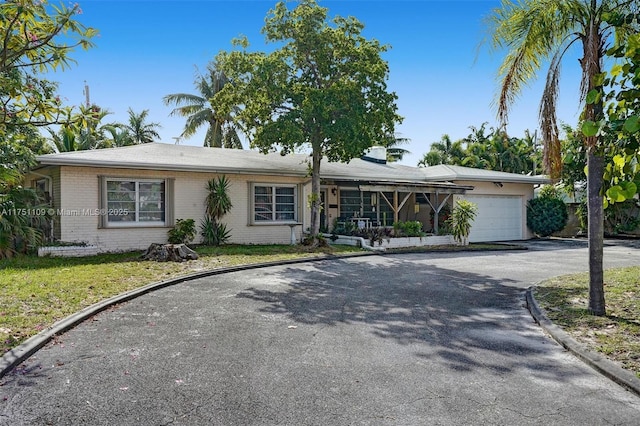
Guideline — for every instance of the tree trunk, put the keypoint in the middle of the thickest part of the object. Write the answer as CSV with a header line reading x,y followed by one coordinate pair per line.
x,y
315,192
592,66
595,166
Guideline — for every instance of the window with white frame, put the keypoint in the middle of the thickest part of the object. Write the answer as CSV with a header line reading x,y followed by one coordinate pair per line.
x,y
134,202
274,203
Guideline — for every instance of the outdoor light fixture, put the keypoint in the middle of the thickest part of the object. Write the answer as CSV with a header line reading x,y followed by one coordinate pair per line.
x,y
498,184
334,190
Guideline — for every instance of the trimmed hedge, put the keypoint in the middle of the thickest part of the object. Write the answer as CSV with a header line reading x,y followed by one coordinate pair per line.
x,y
546,215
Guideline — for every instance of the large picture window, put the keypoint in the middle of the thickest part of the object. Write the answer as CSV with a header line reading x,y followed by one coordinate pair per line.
x,y
274,203
134,202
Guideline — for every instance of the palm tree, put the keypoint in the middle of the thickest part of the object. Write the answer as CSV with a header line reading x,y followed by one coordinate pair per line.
x,y
198,110
81,131
443,152
394,152
139,129
119,135
536,31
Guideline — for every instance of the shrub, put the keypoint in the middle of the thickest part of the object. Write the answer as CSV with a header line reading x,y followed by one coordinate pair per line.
x,y
408,229
463,214
546,215
214,234
184,231
218,203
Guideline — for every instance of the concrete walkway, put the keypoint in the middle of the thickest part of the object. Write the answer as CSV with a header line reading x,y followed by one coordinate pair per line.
x,y
439,338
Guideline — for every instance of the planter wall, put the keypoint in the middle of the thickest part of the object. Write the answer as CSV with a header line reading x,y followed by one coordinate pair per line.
x,y
68,251
434,240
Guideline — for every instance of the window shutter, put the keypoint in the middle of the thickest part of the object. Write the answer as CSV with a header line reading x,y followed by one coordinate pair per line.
x,y
169,210
102,201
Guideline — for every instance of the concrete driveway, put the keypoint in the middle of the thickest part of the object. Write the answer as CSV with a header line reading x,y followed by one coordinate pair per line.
x,y
412,339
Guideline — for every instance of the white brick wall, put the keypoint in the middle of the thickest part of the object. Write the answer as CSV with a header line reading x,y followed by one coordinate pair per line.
x,y
79,191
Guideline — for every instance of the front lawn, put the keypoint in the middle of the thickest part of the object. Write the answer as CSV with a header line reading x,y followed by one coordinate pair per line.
x,y
37,292
616,335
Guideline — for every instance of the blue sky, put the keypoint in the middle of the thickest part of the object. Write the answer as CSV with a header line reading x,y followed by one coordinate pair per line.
x,y
444,81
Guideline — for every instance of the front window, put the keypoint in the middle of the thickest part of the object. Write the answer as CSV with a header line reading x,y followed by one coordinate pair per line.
x,y
274,203
136,201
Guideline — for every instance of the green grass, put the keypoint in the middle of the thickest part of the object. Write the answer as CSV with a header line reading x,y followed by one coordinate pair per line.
x,y
616,335
37,292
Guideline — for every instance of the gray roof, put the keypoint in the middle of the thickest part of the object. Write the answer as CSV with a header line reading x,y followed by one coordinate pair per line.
x,y
444,172
161,156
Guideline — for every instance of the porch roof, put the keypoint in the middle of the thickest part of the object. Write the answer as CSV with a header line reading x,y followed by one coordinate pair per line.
x,y
431,187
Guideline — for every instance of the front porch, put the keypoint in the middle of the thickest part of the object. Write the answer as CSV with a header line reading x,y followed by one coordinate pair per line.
x,y
381,204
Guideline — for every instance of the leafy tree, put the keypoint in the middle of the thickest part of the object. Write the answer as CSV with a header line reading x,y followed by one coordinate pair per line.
x,y
35,38
138,128
199,112
323,86
622,121
532,32
574,159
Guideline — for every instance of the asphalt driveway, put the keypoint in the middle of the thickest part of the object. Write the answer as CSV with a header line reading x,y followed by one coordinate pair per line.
x,y
413,339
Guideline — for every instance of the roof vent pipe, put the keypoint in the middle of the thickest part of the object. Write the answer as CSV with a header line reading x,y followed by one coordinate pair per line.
x,y
376,154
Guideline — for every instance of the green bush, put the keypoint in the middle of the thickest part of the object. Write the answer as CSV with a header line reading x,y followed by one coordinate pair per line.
x,y
184,231
546,215
464,213
213,233
412,228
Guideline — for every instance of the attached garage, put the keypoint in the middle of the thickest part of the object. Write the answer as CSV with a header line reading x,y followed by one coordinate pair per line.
x,y
499,218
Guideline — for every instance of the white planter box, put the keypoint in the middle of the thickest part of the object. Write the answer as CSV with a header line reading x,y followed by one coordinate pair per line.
x,y
68,251
432,240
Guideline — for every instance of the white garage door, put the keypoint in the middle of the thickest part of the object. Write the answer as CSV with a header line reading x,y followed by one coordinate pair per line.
x,y
498,219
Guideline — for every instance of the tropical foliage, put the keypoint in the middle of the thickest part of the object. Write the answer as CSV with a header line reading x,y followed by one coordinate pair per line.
x,y
547,213
85,130
217,204
197,109
139,129
394,151
183,232
463,214
323,86
487,148
36,38
535,32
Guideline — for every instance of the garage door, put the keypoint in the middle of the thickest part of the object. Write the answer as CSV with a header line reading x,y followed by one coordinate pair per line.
x,y
498,219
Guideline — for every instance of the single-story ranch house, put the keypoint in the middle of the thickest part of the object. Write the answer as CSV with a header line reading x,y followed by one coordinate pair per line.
x,y
129,197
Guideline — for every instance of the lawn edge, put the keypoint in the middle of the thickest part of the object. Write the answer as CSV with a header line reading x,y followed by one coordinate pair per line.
x,y
598,362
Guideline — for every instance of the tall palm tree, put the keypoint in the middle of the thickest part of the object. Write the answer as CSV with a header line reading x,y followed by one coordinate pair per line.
x,y
139,129
221,132
444,152
394,152
81,131
534,32
119,135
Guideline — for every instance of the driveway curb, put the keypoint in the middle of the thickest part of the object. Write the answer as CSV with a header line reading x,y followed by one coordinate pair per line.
x,y
20,353
598,362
